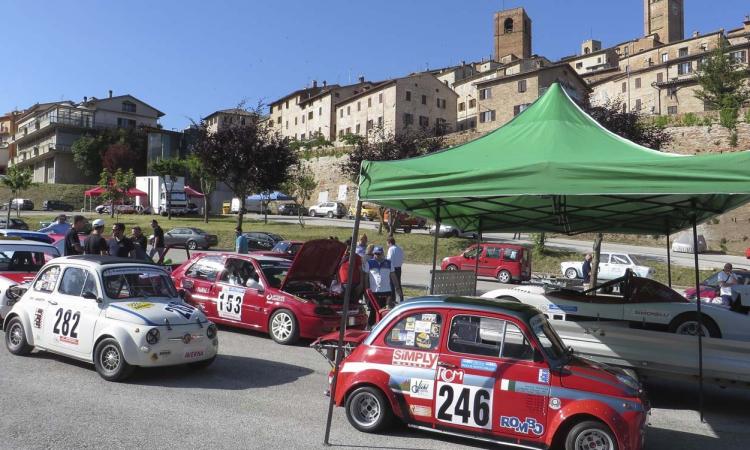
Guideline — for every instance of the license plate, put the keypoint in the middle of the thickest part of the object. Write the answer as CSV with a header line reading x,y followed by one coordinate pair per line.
x,y
193,354
352,320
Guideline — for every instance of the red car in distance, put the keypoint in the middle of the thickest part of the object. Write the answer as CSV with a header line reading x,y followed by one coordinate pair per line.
x,y
505,262
289,300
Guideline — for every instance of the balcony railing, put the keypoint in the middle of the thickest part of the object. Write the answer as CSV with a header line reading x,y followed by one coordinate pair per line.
x,y
38,125
28,155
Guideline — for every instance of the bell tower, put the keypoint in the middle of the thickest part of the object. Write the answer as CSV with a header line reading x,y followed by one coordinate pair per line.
x,y
512,34
664,18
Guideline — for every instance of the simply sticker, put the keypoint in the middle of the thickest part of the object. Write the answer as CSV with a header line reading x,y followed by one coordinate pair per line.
x,y
410,336
414,358
543,376
429,317
417,410
422,326
140,305
474,364
410,324
554,403
420,388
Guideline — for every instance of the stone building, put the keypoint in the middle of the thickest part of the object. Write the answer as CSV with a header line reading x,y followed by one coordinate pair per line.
x,y
46,132
504,97
665,19
417,100
225,117
512,34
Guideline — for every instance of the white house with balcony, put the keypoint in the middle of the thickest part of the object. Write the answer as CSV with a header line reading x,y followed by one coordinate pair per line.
x,y
46,132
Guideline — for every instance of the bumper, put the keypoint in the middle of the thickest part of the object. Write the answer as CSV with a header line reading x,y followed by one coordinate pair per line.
x,y
313,327
175,352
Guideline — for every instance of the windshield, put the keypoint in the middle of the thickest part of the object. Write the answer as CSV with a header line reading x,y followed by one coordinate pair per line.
x,y
25,258
635,260
137,282
280,247
198,231
551,343
177,196
275,272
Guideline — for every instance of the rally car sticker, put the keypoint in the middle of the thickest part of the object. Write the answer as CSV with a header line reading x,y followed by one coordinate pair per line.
x,y
66,326
555,403
530,425
410,321
651,314
180,309
564,308
463,404
417,410
421,388
229,303
410,337
429,317
423,341
543,376
140,305
567,394
414,358
38,316
275,298
422,326
474,364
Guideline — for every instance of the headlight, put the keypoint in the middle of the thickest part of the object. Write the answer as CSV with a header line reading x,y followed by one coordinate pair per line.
x,y
152,337
211,331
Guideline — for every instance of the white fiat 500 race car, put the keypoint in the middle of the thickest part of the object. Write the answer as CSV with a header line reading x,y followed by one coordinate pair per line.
x,y
113,312
611,266
642,302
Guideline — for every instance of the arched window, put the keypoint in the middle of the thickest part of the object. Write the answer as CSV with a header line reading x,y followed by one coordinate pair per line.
x,y
586,50
508,25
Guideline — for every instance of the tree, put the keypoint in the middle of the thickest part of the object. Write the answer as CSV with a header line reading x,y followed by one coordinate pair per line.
x,y
246,157
119,156
87,155
723,86
613,115
16,180
382,145
116,185
206,180
168,169
301,185
89,150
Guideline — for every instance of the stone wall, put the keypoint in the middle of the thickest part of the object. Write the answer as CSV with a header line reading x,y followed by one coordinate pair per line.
x,y
707,139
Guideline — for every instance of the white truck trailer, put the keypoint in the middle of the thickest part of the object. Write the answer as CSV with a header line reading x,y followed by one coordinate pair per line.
x,y
157,192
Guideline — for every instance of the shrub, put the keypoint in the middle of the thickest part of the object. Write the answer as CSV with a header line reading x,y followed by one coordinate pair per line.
x,y
733,139
728,118
690,120
661,121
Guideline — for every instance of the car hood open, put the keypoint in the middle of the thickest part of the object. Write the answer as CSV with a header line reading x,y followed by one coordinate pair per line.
x,y
317,260
18,277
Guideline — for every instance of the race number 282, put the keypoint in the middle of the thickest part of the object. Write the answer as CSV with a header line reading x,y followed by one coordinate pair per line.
x,y
67,323
460,404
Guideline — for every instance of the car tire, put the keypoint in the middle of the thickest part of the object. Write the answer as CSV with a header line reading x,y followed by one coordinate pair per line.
x,y
687,324
451,267
407,230
283,327
312,213
454,233
368,410
504,277
200,365
15,338
110,362
192,245
330,214
571,273
590,434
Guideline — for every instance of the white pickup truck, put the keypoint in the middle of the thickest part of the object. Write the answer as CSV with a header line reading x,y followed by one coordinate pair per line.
x,y
611,266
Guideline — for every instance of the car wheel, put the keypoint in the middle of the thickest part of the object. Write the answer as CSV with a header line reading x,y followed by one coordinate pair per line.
x,y
590,434
192,245
312,213
368,410
407,230
571,273
687,324
199,365
454,233
110,362
15,338
283,327
330,214
451,267
504,277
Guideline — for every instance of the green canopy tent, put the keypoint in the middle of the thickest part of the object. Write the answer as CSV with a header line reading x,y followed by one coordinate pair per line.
x,y
555,169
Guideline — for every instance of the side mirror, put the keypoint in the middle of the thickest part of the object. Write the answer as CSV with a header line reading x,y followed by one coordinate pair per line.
x,y
91,296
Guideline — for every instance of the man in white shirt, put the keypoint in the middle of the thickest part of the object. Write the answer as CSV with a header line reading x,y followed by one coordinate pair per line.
x,y
380,278
396,257
727,279
60,226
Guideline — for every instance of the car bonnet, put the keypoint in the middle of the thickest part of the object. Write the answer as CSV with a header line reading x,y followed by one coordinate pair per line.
x,y
155,313
317,260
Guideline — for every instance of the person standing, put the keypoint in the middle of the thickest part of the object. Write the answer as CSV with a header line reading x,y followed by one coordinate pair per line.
x,y
586,268
119,244
396,257
61,226
381,277
240,244
357,274
139,243
362,246
727,279
72,242
157,246
95,244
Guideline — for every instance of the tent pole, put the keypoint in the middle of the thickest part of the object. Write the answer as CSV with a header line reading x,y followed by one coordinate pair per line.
x,y
479,254
434,249
669,264
700,319
344,317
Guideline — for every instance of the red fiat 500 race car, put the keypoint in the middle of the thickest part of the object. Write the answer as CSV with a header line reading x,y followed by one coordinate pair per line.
x,y
287,299
491,370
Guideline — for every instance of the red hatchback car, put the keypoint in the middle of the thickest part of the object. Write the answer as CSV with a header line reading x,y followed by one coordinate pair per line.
x,y
289,300
506,262
489,370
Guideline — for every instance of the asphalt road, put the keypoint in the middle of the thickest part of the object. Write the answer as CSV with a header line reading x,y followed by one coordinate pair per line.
x,y
259,394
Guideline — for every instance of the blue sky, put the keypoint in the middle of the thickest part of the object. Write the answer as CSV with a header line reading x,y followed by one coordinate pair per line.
x,y
189,58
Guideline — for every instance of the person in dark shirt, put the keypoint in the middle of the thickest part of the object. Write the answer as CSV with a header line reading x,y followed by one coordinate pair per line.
x,y
120,245
157,246
96,244
586,269
139,243
72,243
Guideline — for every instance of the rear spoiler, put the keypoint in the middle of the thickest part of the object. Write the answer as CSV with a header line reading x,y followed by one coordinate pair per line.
x,y
328,345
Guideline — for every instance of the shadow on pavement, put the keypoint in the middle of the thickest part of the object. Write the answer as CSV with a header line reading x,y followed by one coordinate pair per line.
x,y
228,372
399,429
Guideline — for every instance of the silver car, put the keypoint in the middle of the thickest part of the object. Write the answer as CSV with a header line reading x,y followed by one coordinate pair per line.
x,y
192,238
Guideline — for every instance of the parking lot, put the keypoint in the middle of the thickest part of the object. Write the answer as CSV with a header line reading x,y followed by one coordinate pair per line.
x,y
259,394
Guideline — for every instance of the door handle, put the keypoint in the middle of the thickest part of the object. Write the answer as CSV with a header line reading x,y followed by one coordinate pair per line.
x,y
447,365
52,302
